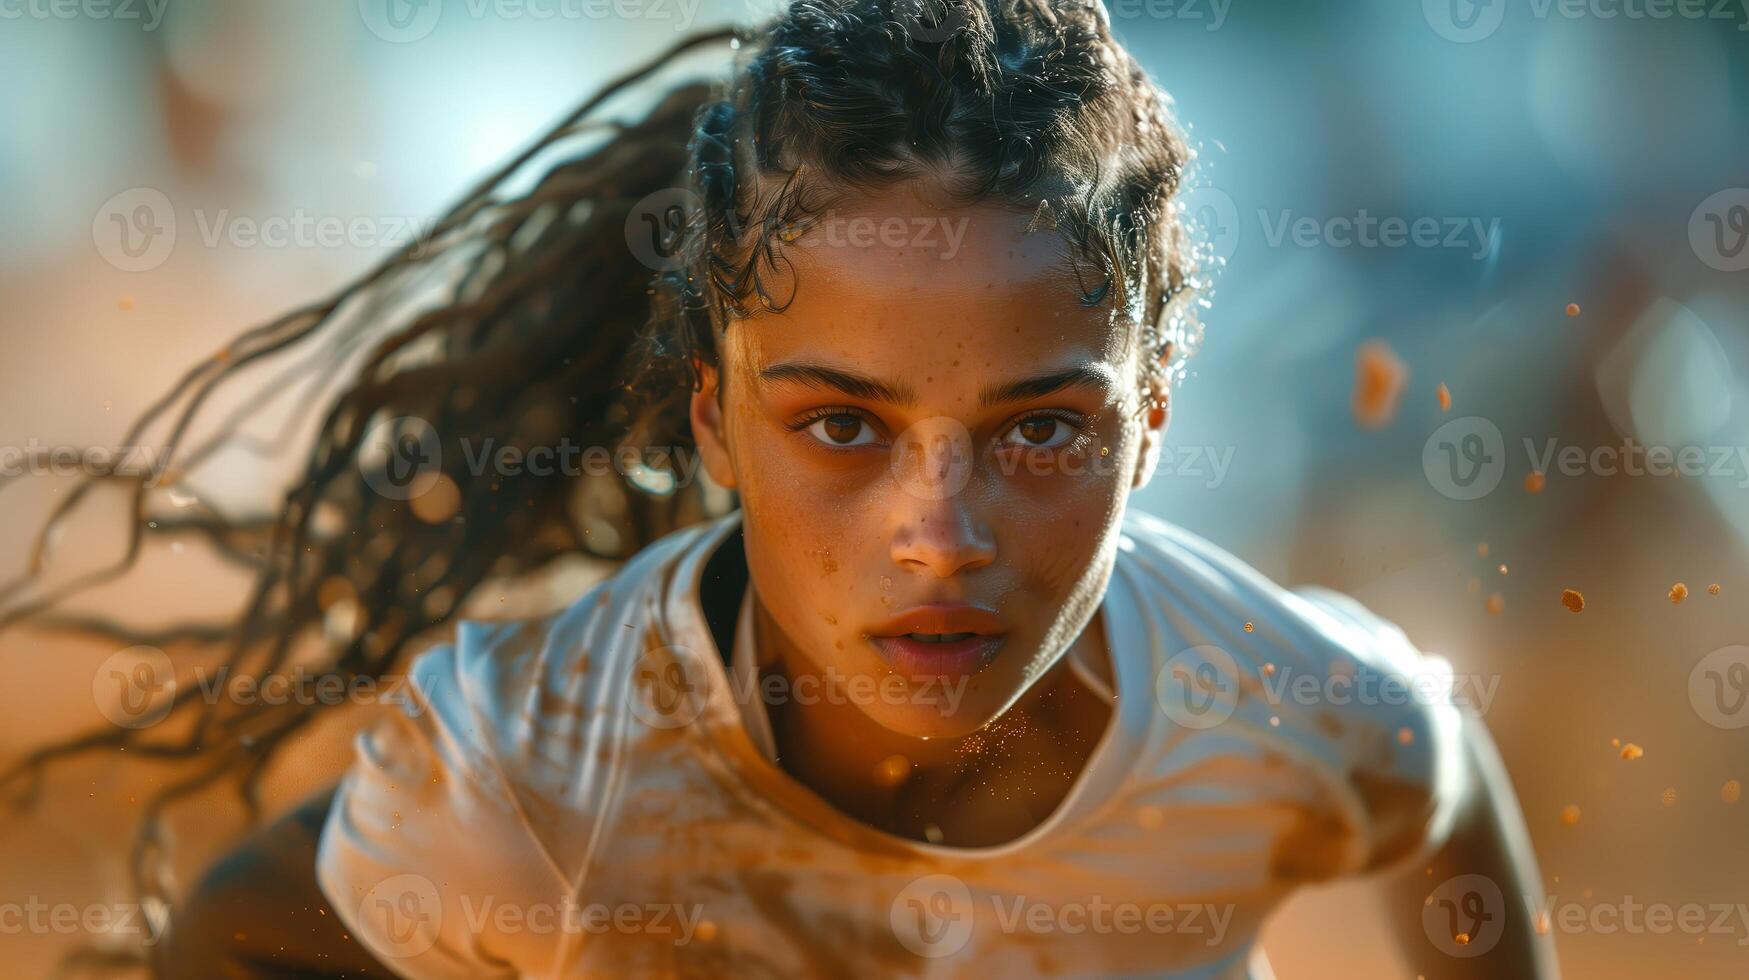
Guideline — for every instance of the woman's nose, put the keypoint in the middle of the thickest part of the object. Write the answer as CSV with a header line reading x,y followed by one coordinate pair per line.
x,y
942,537
935,527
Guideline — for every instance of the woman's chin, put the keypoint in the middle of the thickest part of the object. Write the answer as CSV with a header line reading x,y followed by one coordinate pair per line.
x,y
946,714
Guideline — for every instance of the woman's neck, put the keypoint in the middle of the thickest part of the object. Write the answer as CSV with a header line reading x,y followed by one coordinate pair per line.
x,y
980,789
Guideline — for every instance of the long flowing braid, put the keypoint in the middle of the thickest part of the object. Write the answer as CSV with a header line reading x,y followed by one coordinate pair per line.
x,y
545,306
549,327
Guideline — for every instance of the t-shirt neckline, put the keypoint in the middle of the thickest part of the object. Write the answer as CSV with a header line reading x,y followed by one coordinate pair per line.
x,y
749,725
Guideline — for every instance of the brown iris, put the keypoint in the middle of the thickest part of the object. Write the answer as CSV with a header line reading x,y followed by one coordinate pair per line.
x,y
1037,430
842,428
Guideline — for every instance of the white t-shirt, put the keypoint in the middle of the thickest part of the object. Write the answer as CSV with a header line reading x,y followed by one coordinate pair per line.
x,y
585,794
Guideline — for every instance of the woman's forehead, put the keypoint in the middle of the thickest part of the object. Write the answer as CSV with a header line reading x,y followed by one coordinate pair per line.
x,y
901,286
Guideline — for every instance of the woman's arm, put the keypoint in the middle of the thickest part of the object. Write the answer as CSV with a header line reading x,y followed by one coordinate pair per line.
x,y
258,913
1492,931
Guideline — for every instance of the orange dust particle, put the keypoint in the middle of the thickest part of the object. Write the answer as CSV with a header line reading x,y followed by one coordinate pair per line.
x,y
1444,395
1274,721
1150,818
1496,604
1572,309
1731,792
125,303
1630,752
1462,939
1503,568
1534,482
1574,601
1615,743
440,501
1249,627
893,770
1405,736
1269,670
1669,796
706,930
1678,592
1482,549
1713,589
1569,815
1379,378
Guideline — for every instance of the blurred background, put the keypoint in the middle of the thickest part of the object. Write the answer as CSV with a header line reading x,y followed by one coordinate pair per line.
x,y
1543,207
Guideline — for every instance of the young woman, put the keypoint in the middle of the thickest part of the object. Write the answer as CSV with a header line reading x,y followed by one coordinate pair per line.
x,y
933,701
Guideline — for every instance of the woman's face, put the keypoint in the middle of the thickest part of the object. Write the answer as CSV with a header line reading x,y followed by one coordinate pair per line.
x,y
933,445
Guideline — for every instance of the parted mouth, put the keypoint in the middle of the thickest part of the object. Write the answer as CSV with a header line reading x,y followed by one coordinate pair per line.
x,y
939,637
942,623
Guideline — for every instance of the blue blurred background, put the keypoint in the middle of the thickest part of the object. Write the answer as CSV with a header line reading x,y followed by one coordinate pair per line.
x,y
1591,154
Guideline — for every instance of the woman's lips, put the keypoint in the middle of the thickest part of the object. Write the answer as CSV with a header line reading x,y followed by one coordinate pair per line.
x,y
940,640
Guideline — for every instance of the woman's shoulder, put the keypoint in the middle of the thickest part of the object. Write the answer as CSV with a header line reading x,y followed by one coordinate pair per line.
x,y
1235,605
519,687
1308,675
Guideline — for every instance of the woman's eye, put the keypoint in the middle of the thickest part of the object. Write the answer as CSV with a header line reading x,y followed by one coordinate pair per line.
x,y
1039,432
842,430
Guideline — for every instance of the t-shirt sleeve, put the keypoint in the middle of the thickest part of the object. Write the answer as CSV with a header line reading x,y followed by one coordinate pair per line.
x,y
424,836
1388,721
1304,738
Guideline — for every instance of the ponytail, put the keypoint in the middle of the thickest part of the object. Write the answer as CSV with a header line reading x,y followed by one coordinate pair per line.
x,y
508,333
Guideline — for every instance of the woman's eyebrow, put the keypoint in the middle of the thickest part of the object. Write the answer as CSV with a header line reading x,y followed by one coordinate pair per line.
x,y
855,385
1096,375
